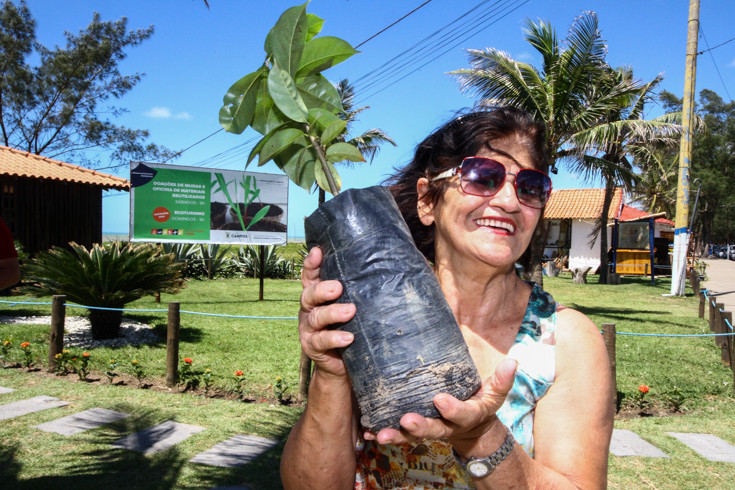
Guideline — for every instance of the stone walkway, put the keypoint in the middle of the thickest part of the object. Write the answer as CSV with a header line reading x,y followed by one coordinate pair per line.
x,y
236,451
242,449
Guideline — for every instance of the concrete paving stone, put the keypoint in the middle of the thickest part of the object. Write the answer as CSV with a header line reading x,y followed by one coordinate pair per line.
x,y
628,443
158,438
35,404
708,446
235,451
6,390
82,421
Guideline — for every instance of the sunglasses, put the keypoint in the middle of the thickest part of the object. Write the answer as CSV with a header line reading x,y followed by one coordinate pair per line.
x,y
480,176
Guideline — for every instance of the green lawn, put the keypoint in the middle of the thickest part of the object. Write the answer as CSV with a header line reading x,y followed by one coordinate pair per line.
x,y
684,372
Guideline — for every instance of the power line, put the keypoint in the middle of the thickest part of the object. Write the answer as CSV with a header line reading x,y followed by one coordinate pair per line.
x,y
193,145
714,47
386,73
394,23
717,69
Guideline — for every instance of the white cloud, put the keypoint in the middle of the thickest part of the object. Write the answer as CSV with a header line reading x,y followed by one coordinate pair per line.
x,y
159,112
732,64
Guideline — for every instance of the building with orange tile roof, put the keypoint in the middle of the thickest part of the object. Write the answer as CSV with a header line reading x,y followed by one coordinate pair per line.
x,y
572,215
47,202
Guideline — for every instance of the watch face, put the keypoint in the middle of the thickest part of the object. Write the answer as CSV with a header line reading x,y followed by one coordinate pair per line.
x,y
478,469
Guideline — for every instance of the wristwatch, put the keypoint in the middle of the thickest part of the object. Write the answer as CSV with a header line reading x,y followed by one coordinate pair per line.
x,y
481,467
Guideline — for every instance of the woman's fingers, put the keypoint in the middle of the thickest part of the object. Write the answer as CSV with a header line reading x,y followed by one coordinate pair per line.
x,y
312,262
459,419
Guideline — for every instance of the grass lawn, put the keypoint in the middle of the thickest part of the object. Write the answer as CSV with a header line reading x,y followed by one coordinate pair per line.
x,y
683,373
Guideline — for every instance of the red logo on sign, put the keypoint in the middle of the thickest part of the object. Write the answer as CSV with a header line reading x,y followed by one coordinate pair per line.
x,y
161,214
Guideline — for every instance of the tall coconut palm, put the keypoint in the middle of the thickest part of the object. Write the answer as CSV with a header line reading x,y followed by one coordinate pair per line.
x,y
622,134
564,91
370,141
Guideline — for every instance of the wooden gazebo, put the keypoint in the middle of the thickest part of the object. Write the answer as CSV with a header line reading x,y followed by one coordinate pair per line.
x,y
46,202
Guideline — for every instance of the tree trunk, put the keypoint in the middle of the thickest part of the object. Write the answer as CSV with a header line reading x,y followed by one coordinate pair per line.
x,y
609,192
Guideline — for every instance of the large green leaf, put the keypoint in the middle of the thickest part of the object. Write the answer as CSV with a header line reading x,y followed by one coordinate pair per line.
x,y
315,24
316,91
259,146
321,177
279,142
322,53
332,131
298,162
285,95
343,151
321,118
239,103
286,39
266,116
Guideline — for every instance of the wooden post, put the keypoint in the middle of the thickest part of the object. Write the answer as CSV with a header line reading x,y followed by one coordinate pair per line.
x,y
56,337
157,295
726,339
262,270
719,323
711,311
702,299
608,334
172,344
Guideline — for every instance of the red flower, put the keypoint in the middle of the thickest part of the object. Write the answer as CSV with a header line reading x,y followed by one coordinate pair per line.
x,y
188,360
643,389
25,344
238,373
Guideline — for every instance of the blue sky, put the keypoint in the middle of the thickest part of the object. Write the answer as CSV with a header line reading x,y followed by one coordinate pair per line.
x,y
197,53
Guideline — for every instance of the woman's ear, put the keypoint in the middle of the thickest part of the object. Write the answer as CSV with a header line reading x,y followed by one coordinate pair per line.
x,y
423,206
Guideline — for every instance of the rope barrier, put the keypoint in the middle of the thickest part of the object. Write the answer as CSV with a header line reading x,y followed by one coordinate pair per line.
x,y
144,310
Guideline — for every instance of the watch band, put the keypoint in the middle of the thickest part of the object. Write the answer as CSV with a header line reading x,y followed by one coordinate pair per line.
x,y
481,467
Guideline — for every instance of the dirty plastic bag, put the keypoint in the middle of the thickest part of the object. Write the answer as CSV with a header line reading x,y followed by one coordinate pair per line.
x,y
408,346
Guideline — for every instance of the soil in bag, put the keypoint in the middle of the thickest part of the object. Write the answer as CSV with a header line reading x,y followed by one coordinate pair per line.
x,y
408,346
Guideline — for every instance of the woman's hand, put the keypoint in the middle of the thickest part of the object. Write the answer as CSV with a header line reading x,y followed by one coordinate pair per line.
x,y
318,341
462,422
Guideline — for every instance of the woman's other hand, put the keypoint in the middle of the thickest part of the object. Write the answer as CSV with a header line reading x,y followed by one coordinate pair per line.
x,y
462,422
315,316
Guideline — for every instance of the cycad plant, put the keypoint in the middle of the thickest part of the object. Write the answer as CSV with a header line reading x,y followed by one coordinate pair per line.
x,y
106,276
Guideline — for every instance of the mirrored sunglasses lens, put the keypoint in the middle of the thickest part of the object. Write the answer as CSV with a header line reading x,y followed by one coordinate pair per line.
x,y
482,176
533,188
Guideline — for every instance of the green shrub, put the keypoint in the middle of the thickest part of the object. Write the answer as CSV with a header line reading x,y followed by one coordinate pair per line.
x,y
107,276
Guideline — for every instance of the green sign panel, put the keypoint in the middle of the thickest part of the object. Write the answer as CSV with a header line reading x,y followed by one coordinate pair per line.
x,y
195,205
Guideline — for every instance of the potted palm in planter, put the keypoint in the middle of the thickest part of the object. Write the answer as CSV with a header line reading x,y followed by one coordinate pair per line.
x,y
108,276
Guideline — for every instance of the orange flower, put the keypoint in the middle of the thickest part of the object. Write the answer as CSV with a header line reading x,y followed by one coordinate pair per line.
x,y
85,354
238,373
188,360
643,389
25,344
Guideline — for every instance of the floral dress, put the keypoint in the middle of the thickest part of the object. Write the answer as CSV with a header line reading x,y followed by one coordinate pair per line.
x,y
430,464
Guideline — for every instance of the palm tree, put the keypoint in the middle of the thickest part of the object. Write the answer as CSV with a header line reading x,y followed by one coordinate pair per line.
x,y
370,141
625,134
571,92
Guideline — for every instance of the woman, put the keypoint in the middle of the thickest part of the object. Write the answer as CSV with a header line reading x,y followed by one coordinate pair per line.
x,y
472,197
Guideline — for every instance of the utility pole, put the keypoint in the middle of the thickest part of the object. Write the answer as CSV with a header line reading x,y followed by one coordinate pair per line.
x,y
681,230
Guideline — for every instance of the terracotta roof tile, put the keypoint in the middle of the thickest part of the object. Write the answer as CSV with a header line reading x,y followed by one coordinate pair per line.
x,y
23,164
631,213
581,204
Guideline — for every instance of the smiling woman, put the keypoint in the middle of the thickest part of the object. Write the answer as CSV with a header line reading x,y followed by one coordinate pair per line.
x,y
472,197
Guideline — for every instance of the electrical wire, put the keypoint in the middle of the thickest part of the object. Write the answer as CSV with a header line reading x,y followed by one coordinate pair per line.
x,y
717,69
419,56
394,23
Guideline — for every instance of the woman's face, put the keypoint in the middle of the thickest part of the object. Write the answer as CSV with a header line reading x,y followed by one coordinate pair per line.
x,y
492,230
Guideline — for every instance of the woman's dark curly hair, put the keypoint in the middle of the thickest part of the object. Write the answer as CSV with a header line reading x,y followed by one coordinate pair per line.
x,y
446,147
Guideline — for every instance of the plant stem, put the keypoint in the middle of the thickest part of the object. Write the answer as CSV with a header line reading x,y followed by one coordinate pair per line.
x,y
325,166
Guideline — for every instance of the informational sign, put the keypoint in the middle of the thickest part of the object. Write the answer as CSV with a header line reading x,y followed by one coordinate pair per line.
x,y
634,235
177,204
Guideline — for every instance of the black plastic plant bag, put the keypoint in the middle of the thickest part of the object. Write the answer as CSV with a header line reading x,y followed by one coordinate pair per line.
x,y
408,346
